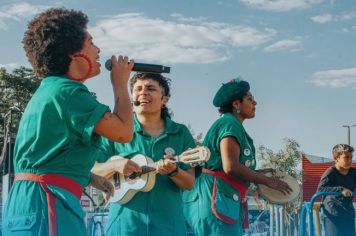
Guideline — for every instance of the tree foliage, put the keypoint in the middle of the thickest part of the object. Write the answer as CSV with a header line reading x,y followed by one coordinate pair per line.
x,y
286,160
198,138
16,89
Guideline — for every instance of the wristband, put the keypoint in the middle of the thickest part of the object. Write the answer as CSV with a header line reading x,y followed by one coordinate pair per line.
x,y
173,173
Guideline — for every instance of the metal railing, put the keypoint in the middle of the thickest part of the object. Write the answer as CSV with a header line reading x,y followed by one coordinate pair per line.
x,y
96,223
307,209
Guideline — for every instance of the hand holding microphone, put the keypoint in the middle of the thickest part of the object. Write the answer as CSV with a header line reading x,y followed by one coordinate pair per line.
x,y
143,67
122,68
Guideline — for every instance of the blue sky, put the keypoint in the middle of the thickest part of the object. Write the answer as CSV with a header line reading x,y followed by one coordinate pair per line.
x,y
297,55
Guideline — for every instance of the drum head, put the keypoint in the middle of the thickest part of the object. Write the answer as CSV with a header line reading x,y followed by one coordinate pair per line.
x,y
277,197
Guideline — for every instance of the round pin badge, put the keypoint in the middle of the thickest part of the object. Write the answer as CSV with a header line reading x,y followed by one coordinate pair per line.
x,y
248,163
169,151
247,152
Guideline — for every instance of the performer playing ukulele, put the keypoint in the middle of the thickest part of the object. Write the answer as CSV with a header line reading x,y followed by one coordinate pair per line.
x,y
159,211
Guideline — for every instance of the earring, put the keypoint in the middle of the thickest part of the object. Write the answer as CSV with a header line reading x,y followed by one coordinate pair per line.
x,y
90,65
238,111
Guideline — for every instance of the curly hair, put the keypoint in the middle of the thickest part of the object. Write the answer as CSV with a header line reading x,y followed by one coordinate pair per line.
x,y
51,37
163,82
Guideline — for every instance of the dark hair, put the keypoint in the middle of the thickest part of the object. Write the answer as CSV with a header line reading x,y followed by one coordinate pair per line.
x,y
340,149
51,37
228,108
163,82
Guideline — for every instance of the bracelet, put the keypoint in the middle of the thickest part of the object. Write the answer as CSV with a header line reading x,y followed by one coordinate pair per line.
x,y
173,173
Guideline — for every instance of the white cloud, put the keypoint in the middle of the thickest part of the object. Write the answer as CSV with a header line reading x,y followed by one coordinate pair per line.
x,y
284,45
325,18
180,40
348,16
9,66
181,17
321,19
281,5
335,78
17,12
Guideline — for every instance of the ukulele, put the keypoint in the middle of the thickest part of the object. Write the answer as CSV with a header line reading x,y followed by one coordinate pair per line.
x,y
125,187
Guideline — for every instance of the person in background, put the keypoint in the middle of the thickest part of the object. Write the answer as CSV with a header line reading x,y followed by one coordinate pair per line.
x,y
338,210
215,205
59,132
159,211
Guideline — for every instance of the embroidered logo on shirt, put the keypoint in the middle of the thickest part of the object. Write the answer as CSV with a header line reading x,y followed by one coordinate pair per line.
x,y
169,151
247,152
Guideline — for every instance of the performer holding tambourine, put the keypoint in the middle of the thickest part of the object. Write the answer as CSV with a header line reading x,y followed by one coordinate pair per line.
x,y
277,197
216,204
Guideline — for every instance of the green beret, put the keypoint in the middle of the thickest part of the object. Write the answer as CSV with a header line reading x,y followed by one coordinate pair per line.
x,y
229,92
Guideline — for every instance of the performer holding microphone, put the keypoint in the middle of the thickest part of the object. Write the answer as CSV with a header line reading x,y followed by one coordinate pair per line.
x,y
60,130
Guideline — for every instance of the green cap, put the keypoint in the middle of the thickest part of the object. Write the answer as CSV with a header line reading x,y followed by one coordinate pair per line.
x,y
230,91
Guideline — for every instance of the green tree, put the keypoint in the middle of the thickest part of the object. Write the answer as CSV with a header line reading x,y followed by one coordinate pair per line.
x,y
286,160
16,89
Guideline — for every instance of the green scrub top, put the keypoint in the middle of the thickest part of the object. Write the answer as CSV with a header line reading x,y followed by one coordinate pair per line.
x,y
197,202
159,211
56,135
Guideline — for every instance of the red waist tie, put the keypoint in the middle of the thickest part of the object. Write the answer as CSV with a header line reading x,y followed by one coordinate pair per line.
x,y
56,180
238,185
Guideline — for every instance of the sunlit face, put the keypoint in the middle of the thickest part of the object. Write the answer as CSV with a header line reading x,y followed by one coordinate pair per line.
x,y
92,52
248,106
344,160
150,95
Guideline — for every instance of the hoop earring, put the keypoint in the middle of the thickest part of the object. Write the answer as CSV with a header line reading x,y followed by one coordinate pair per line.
x,y
86,58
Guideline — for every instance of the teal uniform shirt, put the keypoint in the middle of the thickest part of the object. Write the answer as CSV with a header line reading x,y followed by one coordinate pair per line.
x,y
56,135
197,202
159,211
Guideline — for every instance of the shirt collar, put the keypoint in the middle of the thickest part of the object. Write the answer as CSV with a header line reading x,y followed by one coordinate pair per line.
x,y
170,126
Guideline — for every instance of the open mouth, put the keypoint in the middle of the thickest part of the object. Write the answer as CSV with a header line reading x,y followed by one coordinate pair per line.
x,y
144,102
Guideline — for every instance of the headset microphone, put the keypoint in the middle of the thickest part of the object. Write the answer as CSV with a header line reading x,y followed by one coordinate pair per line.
x,y
136,103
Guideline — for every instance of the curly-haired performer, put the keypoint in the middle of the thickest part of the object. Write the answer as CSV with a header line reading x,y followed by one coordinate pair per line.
x,y
60,131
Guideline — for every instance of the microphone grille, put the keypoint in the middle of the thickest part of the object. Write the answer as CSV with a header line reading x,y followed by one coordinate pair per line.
x,y
108,65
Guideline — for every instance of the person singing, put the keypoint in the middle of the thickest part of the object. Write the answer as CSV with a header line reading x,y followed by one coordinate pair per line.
x,y
59,132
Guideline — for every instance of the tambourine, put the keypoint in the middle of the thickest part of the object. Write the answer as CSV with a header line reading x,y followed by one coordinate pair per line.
x,y
277,197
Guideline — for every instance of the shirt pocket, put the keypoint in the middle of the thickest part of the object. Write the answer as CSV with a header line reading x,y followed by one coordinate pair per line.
x,y
20,224
226,202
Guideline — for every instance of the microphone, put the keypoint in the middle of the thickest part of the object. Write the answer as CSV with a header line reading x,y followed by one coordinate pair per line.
x,y
142,67
136,103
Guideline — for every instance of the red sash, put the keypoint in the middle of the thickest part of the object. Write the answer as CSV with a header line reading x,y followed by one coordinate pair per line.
x,y
56,180
238,186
